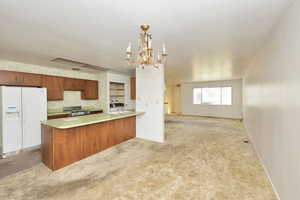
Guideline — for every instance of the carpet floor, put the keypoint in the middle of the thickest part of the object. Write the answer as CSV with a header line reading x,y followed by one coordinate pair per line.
x,y
202,158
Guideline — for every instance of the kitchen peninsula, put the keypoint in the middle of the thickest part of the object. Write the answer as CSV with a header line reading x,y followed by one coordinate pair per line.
x,y
67,140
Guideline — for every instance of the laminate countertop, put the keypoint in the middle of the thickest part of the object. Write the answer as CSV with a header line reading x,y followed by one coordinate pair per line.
x,y
72,122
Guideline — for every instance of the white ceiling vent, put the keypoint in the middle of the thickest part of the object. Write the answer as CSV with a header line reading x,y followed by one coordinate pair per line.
x,y
77,65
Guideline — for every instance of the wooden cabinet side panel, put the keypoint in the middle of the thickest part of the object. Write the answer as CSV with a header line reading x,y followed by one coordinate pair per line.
x,y
131,127
122,130
47,146
119,131
133,88
111,134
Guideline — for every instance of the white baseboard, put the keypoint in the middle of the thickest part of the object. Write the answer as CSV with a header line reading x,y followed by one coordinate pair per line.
x,y
261,161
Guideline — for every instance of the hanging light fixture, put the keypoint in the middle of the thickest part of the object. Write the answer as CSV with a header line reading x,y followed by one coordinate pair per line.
x,y
145,51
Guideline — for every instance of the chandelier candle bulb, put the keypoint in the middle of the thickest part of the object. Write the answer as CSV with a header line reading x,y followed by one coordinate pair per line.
x,y
158,61
149,44
128,57
128,51
164,52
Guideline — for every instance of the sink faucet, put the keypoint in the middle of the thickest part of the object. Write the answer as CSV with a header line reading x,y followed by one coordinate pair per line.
x,y
113,104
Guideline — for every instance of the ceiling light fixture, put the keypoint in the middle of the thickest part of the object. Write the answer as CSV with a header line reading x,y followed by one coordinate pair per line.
x,y
145,51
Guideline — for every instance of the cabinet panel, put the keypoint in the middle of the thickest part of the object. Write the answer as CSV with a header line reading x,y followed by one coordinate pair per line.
x,y
90,90
96,138
32,79
119,131
10,78
92,142
55,87
130,128
133,88
47,146
67,146
19,79
74,84
122,130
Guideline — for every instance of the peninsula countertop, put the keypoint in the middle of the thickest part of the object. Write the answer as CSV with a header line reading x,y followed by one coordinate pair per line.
x,y
61,112
72,122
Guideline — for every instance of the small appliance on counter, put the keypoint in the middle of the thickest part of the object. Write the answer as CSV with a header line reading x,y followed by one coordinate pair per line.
x,y
21,111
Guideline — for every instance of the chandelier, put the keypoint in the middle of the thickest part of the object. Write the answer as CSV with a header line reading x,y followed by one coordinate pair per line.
x,y
145,55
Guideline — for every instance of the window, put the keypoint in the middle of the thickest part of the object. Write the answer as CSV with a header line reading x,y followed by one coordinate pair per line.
x,y
226,95
197,95
213,96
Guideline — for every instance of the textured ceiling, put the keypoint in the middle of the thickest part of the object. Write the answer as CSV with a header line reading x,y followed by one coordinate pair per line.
x,y
206,39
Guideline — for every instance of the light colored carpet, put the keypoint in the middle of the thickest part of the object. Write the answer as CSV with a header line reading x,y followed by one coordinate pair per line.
x,y
203,158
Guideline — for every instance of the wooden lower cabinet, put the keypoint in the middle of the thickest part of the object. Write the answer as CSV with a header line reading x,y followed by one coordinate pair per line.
x,y
67,146
96,138
47,146
62,147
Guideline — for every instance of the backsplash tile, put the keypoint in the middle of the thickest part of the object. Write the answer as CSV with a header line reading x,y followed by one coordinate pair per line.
x,y
72,98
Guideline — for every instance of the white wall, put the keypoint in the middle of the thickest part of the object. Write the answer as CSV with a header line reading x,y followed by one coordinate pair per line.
x,y
150,99
272,104
233,111
104,91
177,99
173,98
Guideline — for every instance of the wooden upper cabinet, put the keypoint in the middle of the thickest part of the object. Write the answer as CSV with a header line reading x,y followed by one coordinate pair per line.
x,y
74,84
19,79
90,90
55,87
32,80
133,88
9,78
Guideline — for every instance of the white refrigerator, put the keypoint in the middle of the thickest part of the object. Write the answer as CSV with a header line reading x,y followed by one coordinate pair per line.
x,y
21,111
